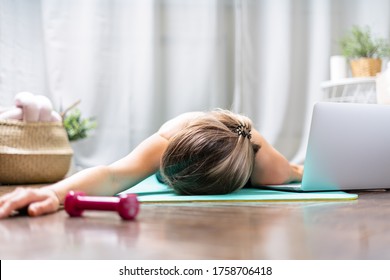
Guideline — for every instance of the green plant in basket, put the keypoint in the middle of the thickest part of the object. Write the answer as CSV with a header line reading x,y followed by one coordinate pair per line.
x,y
76,126
364,51
359,42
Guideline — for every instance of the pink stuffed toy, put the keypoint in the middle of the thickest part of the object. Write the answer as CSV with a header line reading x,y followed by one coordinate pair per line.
x,y
13,113
31,108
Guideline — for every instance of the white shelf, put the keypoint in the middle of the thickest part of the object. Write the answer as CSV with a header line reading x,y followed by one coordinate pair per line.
x,y
353,90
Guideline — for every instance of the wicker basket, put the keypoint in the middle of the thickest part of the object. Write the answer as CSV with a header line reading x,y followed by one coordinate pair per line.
x,y
366,67
33,152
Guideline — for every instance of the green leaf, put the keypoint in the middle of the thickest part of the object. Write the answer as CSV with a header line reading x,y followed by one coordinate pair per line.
x,y
77,127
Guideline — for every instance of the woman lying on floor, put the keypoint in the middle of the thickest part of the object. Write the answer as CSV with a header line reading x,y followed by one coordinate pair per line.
x,y
197,153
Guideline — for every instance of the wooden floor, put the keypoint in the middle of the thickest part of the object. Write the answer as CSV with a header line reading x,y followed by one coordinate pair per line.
x,y
295,230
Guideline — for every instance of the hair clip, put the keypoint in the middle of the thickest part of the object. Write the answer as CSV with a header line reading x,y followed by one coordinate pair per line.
x,y
242,130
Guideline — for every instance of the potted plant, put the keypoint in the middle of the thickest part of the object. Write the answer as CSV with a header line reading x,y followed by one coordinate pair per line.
x,y
77,127
364,51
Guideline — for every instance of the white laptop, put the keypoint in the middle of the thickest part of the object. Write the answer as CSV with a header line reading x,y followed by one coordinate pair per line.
x,y
348,148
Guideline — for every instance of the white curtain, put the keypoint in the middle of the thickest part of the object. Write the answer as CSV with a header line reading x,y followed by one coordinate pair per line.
x,y
134,64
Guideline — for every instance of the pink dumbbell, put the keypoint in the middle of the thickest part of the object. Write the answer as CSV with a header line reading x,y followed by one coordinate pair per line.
x,y
126,205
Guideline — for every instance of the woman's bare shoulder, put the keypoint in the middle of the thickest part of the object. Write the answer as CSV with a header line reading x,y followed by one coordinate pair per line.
x,y
171,127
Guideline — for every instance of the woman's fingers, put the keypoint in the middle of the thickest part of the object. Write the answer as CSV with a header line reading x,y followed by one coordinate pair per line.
x,y
48,205
15,200
7,196
45,201
10,202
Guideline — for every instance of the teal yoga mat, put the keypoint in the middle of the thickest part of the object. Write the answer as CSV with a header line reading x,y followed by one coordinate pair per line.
x,y
152,191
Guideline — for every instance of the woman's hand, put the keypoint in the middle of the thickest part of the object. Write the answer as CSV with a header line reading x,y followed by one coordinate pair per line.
x,y
297,171
38,201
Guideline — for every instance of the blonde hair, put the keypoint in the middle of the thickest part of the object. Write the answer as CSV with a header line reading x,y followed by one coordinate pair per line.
x,y
212,155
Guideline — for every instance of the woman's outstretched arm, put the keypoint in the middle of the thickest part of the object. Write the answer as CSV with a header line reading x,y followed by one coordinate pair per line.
x,y
143,161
